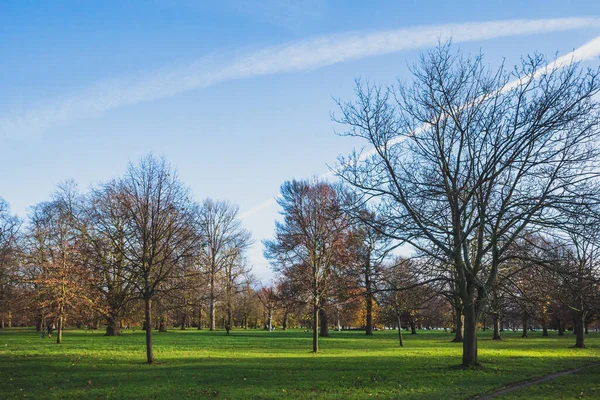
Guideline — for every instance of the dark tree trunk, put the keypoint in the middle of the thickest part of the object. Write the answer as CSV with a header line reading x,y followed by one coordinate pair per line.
x,y
496,321
228,323
324,323
559,326
525,326
470,336
113,326
148,324
579,322
315,327
38,326
211,307
413,327
200,318
458,326
286,316
400,329
369,301
162,325
544,328
183,321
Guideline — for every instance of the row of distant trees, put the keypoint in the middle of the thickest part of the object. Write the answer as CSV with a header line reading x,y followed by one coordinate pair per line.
x,y
489,177
136,242
335,259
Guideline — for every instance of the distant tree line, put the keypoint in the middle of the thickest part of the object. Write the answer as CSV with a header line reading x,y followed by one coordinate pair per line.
x,y
137,250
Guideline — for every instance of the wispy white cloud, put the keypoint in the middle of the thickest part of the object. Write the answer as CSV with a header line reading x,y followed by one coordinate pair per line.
x,y
296,56
259,207
588,51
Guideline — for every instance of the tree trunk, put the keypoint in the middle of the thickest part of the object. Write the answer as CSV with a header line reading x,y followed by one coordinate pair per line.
x,y
183,321
200,318
59,330
459,327
369,301
315,327
162,325
544,328
470,336
113,326
229,319
269,323
400,329
286,316
579,322
413,329
525,326
324,323
496,321
211,307
148,312
561,328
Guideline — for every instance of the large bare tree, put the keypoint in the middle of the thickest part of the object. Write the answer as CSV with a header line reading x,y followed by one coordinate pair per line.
x,y
160,236
466,158
310,237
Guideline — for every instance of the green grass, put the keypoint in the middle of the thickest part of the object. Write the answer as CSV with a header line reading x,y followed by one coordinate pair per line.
x,y
258,364
582,384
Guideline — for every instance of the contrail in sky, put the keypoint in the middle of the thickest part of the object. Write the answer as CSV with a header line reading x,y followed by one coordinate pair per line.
x,y
589,51
295,56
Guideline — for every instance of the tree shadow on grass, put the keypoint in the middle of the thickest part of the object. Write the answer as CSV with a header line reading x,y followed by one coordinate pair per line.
x,y
268,365
256,377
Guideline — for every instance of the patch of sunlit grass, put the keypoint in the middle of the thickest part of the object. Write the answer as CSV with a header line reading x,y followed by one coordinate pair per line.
x,y
259,364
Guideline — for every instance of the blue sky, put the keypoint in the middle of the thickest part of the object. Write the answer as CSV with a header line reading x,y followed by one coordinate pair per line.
x,y
236,94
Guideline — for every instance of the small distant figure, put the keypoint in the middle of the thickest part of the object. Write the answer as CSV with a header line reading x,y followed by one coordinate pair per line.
x,y
51,327
227,329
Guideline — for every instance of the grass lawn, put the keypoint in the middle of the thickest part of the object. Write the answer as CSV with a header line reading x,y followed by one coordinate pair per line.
x,y
583,384
257,364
